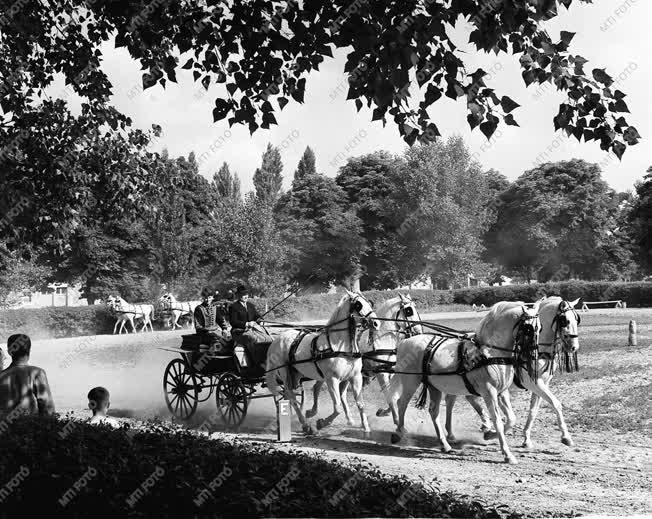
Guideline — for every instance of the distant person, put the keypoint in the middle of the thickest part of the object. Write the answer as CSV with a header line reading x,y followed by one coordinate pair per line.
x,y
2,359
99,402
24,388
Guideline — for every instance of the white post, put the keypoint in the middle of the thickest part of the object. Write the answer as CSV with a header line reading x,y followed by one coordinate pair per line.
x,y
633,341
284,421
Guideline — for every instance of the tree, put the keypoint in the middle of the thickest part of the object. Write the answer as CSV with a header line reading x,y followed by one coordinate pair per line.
x,y
369,182
324,235
640,221
20,273
268,179
227,185
557,221
307,164
263,51
448,197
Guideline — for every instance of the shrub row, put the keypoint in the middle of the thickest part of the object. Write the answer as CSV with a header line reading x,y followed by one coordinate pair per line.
x,y
76,470
637,294
90,320
56,321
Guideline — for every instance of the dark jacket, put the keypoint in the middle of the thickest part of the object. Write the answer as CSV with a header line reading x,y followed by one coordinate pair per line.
x,y
239,317
210,318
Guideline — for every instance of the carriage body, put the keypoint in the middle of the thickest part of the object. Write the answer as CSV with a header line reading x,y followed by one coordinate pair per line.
x,y
203,369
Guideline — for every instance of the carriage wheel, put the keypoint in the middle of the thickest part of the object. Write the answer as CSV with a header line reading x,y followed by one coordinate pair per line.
x,y
180,388
232,400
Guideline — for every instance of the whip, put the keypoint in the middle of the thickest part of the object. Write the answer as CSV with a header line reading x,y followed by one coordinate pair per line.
x,y
287,297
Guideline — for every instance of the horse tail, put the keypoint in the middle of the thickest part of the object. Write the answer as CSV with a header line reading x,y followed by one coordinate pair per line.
x,y
423,396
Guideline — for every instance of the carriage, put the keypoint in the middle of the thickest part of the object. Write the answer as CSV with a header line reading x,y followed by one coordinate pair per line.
x,y
228,371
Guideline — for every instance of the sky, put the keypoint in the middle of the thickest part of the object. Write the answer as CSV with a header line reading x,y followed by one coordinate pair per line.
x,y
611,34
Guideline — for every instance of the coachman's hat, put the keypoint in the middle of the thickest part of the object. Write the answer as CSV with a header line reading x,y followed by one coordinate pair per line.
x,y
242,291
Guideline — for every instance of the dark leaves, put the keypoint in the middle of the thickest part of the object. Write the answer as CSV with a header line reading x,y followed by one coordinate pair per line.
x,y
221,110
602,77
489,126
507,104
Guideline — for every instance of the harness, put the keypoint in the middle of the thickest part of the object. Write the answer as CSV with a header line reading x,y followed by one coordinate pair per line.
x,y
317,354
462,361
373,355
559,322
524,330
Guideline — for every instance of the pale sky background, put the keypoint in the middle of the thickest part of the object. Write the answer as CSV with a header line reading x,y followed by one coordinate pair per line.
x,y
327,122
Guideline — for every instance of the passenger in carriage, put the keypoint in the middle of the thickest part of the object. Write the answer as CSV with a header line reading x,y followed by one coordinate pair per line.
x,y
209,316
244,317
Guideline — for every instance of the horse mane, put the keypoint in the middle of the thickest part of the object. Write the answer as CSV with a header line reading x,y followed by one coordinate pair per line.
x,y
498,313
384,312
338,313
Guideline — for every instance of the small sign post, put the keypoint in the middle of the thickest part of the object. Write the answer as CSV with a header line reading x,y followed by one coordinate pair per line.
x,y
284,420
633,341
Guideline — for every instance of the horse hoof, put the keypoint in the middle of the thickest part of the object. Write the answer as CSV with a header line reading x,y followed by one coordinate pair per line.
x,y
490,435
307,429
451,439
567,441
446,450
511,460
396,438
310,413
383,412
527,445
320,424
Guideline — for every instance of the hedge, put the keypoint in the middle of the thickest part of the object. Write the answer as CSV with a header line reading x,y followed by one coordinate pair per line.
x,y
72,469
636,294
57,322
319,306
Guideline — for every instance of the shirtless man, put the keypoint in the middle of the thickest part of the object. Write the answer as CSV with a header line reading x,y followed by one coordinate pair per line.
x,y
99,403
24,388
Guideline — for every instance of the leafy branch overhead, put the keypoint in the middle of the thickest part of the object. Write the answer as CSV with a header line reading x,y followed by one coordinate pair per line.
x,y
262,51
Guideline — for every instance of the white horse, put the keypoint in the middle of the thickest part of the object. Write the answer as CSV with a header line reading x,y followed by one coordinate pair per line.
x,y
332,355
167,303
127,313
559,325
461,366
378,348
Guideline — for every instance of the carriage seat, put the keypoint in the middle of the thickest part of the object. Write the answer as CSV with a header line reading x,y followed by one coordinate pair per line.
x,y
207,341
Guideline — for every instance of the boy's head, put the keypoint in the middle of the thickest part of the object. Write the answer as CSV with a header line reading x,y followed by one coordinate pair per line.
x,y
19,346
98,399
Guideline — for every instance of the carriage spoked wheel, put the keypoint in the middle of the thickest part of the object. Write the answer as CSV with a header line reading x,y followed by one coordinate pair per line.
x,y
180,388
232,399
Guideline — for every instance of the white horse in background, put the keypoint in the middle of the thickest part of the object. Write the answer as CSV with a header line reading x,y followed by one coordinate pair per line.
x,y
462,366
168,304
559,326
332,355
398,318
127,313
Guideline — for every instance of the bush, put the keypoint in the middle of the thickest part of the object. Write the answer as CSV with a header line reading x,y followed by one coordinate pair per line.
x,y
634,294
57,321
77,470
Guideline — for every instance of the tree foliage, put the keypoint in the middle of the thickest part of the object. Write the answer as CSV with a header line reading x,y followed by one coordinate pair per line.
x,y
268,179
307,164
640,221
558,221
262,52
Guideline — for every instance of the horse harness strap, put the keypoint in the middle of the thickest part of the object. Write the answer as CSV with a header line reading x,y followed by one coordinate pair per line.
x,y
317,355
461,370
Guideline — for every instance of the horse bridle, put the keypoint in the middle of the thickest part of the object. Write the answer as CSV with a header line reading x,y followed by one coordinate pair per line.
x,y
561,321
407,307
